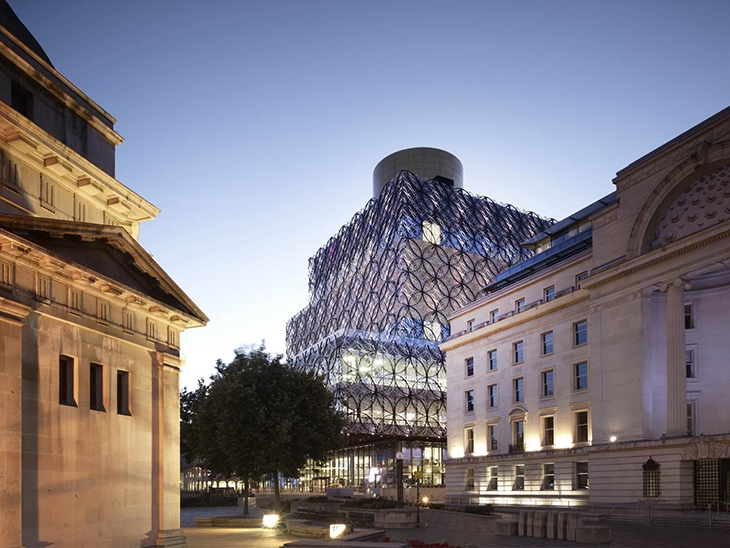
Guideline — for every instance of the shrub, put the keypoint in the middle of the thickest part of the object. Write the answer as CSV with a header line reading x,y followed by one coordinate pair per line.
x,y
320,498
371,504
207,498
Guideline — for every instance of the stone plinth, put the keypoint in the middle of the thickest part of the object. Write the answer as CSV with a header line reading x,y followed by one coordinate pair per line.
x,y
573,522
551,525
593,534
538,524
506,528
522,523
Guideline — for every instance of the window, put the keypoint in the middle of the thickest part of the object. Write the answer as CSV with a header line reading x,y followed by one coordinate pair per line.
x,y
5,274
548,430
580,277
21,100
75,300
518,352
548,477
493,473
691,418
469,401
689,320
96,387
470,325
469,364
549,293
548,383
493,315
580,333
44,287
492,357
520,305
651,478
67,381
469,481
492,441
580,419
689,360
547,343
431,232
581,375
103,310
519,484
468,440
518,436
518,391
581,475
123,393
492,396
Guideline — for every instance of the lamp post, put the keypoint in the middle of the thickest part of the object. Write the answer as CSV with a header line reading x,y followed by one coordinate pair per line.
x,y
418,503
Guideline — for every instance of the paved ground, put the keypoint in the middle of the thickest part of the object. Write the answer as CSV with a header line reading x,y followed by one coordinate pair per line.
x,y
460,530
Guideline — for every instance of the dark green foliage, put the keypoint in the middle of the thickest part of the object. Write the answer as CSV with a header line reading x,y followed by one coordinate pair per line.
x,y
371,504
259,416
207,498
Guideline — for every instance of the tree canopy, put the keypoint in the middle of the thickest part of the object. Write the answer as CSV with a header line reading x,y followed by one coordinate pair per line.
x,y
259,416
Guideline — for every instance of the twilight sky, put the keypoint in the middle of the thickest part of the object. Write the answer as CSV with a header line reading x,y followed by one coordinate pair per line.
x,y
255,125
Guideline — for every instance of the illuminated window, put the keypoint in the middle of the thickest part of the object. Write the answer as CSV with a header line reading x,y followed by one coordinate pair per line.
x,y
549,293
580,426
469,401
519,484
468,440
548,477
518,392
689,319
123,393
67,381
520,305
651,478
548,383
581,375
469,365
580,332
96,387
547,343
548,430
493,484
518,352
492,396
493,315
431,232
469,480
581,475
492,440
492,357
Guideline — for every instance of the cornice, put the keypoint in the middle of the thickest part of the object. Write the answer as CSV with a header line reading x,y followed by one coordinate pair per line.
x,y
659,256
12,311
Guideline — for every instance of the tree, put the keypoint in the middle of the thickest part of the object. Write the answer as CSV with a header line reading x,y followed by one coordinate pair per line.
x,y
257,416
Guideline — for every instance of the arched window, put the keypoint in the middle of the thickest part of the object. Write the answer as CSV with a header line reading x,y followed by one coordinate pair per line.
x,y
651,478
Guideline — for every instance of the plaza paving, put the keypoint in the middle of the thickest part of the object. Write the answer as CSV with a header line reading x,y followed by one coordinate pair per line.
x,y
459,530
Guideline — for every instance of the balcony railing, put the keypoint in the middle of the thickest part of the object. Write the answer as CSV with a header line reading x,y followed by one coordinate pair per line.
x,y
515,448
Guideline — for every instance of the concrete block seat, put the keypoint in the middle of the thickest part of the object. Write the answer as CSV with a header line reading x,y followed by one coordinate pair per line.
x,y
593,534
506,528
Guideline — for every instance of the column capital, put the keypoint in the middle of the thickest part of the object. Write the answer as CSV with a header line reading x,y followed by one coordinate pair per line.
x,y
677,282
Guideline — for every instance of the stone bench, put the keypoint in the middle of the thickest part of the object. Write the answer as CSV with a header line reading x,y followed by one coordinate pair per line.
x,y
593,534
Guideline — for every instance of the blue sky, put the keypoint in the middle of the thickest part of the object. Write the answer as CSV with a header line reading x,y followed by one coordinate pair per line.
x,y
255,125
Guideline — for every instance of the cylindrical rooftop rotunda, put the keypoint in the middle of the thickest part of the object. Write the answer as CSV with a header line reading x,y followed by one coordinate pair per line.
x,y
425,162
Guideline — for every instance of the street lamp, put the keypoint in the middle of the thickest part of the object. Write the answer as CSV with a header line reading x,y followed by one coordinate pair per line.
x,y
399,477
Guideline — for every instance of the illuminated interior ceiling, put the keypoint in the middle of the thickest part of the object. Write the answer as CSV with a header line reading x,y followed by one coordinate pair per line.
x,y
381,290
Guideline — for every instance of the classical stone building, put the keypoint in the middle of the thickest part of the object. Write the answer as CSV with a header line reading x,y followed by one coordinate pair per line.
x,y
89,325
380,293
597,371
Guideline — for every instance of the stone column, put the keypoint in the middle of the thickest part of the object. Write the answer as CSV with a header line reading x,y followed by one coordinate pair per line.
x,y
166,450
676,367
11,423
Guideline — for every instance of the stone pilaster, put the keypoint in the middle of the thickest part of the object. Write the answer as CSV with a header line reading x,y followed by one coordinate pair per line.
x,y
11,423
676,367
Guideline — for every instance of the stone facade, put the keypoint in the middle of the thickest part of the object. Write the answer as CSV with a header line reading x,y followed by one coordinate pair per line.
x,y
89,326
623,322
